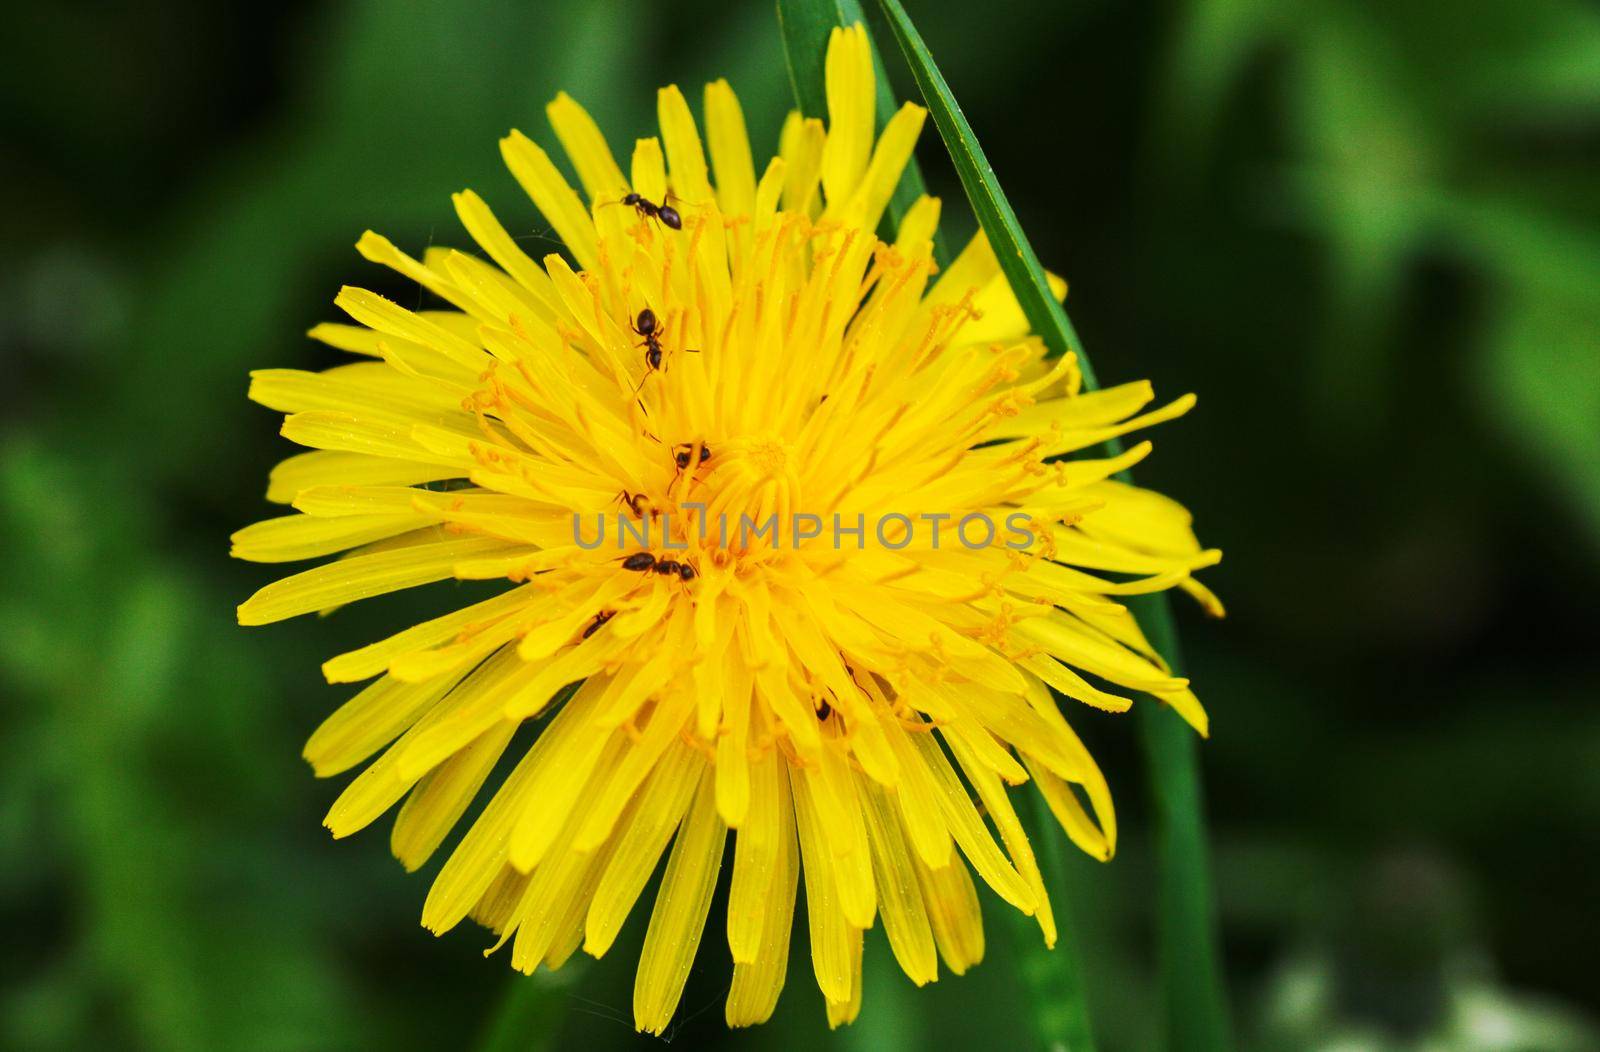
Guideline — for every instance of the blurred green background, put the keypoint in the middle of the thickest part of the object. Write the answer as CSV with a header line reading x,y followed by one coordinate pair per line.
x,y
1367,234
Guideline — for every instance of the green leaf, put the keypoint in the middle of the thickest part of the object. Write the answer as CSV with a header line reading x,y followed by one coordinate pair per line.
x,y
805,25
1017,258
1194,1002
1191,978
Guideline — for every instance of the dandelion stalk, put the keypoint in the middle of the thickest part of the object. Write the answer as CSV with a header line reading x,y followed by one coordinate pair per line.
x,y
1194,1002
1053,976
528,1016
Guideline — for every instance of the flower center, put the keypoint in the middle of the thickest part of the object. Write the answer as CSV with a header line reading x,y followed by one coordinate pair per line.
x,y
749,489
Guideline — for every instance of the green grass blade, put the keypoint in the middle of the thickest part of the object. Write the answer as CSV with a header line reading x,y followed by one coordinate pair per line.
x,y
1052,978
1191,976
805,25
1194,1000
1017,258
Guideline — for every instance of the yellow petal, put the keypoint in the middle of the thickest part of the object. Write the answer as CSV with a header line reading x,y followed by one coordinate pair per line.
x,y
801,148
889,159
953,911
686,158
830,932
544,183
679,917
969,831
586,147
293,537
502,248
730,150
661,806
361,577
768,825
756,984
369,721
852,100
905,920
438,801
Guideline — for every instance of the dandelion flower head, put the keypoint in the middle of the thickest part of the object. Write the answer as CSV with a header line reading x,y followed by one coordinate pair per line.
x,y
721,344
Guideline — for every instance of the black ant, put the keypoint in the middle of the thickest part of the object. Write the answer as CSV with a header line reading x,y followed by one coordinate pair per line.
x,y
683,453
663,213
670,567
647,326
599,619
634,502
644,562
640,562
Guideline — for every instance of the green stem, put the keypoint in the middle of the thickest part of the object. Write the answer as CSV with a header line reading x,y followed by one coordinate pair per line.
x,y
1053,977
530,1011
1196,1011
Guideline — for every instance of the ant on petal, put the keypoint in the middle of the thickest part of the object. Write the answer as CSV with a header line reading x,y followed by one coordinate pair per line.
x,y
683,453
663,213
673,568
650,327
634,502
644,562
647,326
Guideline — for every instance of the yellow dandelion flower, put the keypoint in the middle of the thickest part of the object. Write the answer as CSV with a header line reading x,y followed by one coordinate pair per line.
x,y
848,690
